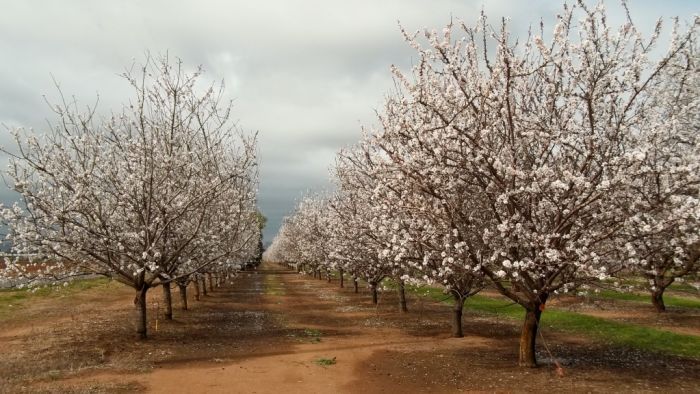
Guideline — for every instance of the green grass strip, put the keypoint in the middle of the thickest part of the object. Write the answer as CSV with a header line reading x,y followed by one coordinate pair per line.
x,y
14,299
606,330
274,286
682,302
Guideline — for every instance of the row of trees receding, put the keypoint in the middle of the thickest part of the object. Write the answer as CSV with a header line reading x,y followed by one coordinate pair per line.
x,y
534,167
162,191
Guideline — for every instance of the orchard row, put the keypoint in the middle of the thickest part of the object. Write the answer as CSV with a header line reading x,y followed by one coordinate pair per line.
x,y
535,167
162,191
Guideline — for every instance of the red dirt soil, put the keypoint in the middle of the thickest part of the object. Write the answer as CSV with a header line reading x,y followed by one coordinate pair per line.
x,y
268,330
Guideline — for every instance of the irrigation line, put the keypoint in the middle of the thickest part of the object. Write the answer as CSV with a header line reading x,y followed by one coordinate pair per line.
x,y
559,369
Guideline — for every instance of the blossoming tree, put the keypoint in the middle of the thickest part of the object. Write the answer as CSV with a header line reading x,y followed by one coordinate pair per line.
x,y
662,234
530,145
164,184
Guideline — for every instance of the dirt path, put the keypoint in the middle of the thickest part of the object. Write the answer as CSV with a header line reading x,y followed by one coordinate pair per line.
x,y
269,330
326,326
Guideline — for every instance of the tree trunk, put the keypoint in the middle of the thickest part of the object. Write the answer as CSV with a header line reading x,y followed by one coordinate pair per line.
x,y
196,289
373,288
211,282
328,276
457,309
528,337
402,297
204,285
354,282
168,301
340,271
183,295
140,303
657,298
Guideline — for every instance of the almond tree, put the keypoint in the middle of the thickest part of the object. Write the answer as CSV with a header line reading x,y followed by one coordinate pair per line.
x,y
431,224
353,240
136,195
352,248
309,223
663,230
224,253
402,227
526,147
283,247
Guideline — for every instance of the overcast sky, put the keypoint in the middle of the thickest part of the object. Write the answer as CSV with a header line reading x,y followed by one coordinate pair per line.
x,y
305,74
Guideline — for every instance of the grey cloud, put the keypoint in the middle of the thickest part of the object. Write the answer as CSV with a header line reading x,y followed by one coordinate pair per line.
x,y
306,74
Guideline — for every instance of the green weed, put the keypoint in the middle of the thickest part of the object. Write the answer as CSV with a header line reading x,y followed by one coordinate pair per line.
x,y
325,362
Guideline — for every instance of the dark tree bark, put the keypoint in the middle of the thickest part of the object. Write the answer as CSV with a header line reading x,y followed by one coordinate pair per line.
x,y
183,295
328,276
342,279
373,288
354,283
196,289
403,308
657,298
211,282
141,307
528,336
204,285
168,301
457,309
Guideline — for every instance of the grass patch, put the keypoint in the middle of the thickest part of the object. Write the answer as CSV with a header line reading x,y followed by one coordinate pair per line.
x,y
14,299
325,362
274,286
54,374
684,286
683,302
313,335
605,330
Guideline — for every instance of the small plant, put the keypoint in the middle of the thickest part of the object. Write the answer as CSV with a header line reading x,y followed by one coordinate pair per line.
x,y
273,286
54,374
313,335
324,362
